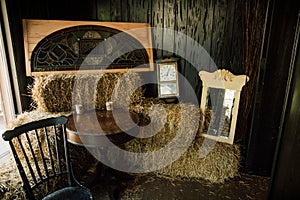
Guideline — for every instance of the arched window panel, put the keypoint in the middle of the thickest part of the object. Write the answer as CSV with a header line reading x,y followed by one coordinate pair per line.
x,y
86,47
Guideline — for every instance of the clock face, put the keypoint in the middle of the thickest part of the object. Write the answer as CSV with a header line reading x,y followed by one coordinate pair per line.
x,y
167,73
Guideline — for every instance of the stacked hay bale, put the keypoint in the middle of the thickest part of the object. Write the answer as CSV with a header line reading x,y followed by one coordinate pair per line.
x,y
53,93
58,92
206,159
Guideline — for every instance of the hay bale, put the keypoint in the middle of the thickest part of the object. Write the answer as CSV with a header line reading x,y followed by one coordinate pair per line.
x,y
53,93
221,162
34,115
121,88
58,92
84,89
169,129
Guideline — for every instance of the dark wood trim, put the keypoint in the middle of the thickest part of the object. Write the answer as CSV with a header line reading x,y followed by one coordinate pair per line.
x,y
286,170
272,86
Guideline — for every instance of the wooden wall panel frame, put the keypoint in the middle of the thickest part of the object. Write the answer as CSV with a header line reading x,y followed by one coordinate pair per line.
x,y
35,30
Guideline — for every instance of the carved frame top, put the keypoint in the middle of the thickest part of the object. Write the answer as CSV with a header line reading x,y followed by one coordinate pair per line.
x,y
223,79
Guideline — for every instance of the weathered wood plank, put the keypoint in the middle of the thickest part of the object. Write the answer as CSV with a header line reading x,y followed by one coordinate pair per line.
x,y
193,31
71,10
103,10
193,28
206,37
115,11
33,9
238,39
169,23
158,23
218,31
180,26
228,31
125,11
181,11
139,10
205,24
254,25
199,28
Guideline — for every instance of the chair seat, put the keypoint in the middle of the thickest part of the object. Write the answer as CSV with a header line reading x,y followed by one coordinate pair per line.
x,y
70,193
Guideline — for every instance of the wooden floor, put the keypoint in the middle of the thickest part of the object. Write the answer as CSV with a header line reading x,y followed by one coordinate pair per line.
x,y
152,187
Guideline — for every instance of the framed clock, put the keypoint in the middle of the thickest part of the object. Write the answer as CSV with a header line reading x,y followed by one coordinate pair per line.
x,y
167,76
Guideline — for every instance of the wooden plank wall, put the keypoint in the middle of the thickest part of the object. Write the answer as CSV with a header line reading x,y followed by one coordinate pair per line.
x,y
217,25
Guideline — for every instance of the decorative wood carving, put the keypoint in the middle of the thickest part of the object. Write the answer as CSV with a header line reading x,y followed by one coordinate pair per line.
x,y
223,79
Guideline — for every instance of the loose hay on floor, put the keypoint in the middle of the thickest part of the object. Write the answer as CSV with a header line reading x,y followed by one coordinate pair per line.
x,y
11,181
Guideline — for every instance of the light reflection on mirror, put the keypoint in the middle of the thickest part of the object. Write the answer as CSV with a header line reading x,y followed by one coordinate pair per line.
x,y
220,102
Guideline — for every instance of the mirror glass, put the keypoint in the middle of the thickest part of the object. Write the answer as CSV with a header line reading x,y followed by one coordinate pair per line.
x,y
220,102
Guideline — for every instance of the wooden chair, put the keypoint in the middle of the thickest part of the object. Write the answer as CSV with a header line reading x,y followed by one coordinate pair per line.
x,y
41,153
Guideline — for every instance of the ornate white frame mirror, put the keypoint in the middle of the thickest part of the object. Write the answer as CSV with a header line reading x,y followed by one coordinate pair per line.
x,y
221,95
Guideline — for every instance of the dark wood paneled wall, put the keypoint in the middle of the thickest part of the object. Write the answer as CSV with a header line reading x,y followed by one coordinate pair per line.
x,y
217,25
230,30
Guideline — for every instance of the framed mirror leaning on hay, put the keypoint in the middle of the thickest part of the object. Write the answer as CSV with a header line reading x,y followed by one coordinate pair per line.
x,y
220,97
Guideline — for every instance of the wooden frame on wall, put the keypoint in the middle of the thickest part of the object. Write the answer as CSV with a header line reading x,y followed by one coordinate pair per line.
x,y
36,30
221,93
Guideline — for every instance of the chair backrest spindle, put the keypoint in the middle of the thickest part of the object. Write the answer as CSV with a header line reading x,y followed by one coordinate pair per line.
x,y
41,153
57,150
49,151
25,154
34,157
